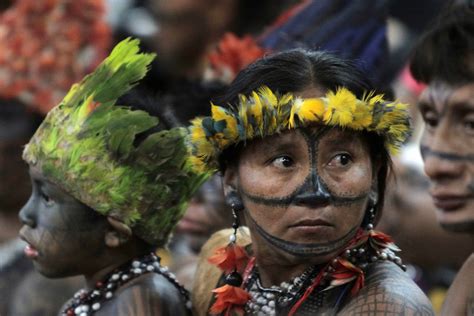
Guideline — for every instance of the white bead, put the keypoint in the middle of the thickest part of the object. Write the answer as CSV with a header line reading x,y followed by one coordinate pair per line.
x,y
271,304
232,238
83,314
137,271
150,268
85,308
115,277
135,264
77,310
108,295
96,306
124,277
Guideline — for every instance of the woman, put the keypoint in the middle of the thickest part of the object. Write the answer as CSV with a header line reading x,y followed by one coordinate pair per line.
x,y
303,147
109,184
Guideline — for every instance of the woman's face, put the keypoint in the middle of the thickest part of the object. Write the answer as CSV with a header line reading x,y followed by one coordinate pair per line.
x,y
65,237
305,191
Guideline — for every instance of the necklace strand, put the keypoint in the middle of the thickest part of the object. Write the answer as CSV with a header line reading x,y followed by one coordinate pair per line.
x,y
86,303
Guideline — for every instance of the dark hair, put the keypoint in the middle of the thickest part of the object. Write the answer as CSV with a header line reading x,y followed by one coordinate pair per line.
x,y
296,70
446,52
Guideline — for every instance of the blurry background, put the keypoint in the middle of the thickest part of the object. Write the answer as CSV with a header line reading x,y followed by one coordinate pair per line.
x,y
46,45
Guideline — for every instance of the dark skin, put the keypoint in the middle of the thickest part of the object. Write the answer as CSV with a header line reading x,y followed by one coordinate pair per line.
x,y
447,150
68,238
310,171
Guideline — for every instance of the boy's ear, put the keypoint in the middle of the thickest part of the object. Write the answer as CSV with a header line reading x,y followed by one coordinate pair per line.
x,y
117,234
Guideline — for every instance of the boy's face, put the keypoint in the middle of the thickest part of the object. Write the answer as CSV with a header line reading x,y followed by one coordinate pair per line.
x,y
447,148
64,236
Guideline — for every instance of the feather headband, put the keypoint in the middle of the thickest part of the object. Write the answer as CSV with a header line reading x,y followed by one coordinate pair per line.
x,y
86,145
265,113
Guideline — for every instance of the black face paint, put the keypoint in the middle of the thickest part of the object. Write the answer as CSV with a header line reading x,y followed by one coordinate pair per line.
x,y
464,227
304,250
313,192
470,187
426,151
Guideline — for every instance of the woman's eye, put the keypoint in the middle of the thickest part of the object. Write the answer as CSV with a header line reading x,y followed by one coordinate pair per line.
x,y
48,201
340,160
283,162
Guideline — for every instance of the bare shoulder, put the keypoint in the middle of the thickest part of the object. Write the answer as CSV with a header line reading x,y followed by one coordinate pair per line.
x,y
460,297
150,294
388,291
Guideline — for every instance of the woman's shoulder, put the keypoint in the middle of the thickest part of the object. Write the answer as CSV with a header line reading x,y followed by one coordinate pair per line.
x,y
388,289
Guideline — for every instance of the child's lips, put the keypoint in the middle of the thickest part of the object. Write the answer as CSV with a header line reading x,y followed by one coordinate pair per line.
x,y
31,252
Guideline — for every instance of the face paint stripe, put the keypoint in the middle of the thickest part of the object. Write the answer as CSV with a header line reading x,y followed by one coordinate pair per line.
x,y
426,151
288,200
297,249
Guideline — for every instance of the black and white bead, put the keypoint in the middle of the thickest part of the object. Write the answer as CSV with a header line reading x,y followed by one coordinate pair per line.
x,y
86,303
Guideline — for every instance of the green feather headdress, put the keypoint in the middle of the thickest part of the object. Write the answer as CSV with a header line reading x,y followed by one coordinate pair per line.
x,y
265,113
86,146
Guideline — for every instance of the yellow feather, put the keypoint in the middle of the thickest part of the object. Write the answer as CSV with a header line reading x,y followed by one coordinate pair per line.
x,y
341,105
294,109
311,110
362,116
256,109
268,95
219,114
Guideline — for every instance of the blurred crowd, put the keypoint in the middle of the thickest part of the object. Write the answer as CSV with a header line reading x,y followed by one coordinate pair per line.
x,y
201,45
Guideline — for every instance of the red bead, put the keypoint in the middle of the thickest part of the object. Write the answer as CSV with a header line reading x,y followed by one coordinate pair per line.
x,y
99,284
70,312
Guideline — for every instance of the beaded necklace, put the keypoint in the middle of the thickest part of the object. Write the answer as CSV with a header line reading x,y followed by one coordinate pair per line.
x,y
349,266
86,303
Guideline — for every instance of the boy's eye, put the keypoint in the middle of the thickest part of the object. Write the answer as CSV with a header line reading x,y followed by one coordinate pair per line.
x,y
47,199
430,119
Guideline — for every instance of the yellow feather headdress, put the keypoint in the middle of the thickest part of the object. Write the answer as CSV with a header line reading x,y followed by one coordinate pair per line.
x,y
265,113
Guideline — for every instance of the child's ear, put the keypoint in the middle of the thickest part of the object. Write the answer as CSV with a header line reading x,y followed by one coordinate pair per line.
x,y
117,233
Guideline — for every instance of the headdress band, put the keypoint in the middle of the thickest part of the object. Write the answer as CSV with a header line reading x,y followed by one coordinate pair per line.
x,y
265,113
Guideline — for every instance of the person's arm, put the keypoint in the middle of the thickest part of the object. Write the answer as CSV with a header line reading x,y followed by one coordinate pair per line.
x,y
460,297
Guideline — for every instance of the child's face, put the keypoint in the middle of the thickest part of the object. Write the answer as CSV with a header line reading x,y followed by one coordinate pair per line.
x,y
65,236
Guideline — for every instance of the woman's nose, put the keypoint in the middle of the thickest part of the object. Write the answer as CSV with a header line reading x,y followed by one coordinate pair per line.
x,y
313,194
27,214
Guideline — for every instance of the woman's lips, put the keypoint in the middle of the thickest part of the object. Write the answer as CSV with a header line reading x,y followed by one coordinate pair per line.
x,y
311,222
310,226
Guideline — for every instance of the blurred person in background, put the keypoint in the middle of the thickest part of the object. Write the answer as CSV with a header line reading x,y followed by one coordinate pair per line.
x,y
444,60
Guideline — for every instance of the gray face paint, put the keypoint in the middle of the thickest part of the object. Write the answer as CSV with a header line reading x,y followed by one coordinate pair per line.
x,y
426,151
313,192
304,250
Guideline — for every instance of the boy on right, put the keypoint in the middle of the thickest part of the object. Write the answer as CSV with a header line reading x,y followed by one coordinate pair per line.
x,y
444,60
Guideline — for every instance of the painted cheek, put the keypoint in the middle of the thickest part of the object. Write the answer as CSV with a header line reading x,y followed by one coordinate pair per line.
x,y
354,182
